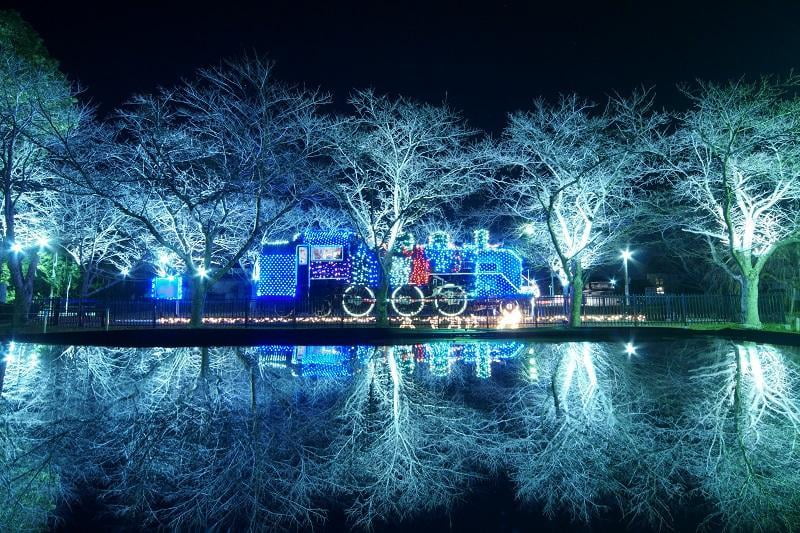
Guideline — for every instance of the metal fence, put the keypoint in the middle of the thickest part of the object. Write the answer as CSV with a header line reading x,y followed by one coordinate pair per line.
x,y
660,310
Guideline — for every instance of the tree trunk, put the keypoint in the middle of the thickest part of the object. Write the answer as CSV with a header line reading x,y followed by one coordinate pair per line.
x,y
749,301
201,388
199,289
53,280
205,363
576,297
22,307
23,287
382,295
86,283
2,373
382,302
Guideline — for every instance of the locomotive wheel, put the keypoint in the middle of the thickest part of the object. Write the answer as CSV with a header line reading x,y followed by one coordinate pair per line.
x,y
408,300
509,307
450,300
323,308
283,310
358,300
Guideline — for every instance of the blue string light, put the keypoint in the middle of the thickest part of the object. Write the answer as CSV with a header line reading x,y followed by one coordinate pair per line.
x,y
275,355
444,260
277,275
443,256
324,361
400,271
327,238
498,273
438,356
366,270
331,270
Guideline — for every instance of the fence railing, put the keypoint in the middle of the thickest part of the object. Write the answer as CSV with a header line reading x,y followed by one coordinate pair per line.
x,y
678,310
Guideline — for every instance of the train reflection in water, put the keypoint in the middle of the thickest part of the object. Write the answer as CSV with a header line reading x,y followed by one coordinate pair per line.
x,y
437,358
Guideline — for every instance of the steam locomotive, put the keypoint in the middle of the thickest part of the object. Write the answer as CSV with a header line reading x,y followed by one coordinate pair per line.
x,y
440,276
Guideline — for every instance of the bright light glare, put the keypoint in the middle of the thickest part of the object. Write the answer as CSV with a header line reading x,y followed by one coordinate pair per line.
x,y
9,359
202,272
613,282
630,349
16,247
125,271
42,241
510,316
163,259
626,254
528,229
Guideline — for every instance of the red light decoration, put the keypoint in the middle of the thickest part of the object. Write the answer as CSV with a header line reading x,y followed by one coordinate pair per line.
x,y
420,267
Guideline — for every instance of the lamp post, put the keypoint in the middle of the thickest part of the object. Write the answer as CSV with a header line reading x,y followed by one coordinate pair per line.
x,y
626,254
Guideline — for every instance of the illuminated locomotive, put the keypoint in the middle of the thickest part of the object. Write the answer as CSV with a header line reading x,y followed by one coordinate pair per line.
x,y
440,276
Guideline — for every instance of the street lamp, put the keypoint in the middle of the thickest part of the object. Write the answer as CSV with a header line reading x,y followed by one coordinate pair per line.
x,y
626,254
163,261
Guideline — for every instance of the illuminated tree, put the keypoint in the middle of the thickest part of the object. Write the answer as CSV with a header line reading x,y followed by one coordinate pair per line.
x,y
742,425
51,407
396,163
215,439
402,447
104,243
206,169
736,177
36,107
582,433
574,173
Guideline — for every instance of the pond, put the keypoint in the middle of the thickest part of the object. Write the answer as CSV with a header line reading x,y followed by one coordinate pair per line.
x,y
463,435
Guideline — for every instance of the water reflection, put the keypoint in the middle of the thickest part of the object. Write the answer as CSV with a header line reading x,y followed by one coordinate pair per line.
x,y
277,436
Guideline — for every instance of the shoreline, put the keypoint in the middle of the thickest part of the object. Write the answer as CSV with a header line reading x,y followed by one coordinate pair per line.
x,y
373,335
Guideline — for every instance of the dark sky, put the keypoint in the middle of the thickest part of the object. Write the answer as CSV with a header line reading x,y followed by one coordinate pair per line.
x,y
485,60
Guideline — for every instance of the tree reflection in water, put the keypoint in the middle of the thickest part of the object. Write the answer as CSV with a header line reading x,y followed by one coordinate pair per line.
x,y
742,433
275,436
585,435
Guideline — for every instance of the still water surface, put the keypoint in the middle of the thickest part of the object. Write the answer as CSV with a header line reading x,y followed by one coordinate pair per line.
x,y
462,435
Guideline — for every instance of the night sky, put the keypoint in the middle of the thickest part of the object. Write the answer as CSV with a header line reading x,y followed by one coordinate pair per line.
x,y
485,60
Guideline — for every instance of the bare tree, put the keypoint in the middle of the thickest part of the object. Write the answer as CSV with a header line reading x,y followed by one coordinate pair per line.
x,y
104,243
742,425
35,107
27,483
215,439
400,446
51,407
574,175
581,433
207,169
735,177
398,162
